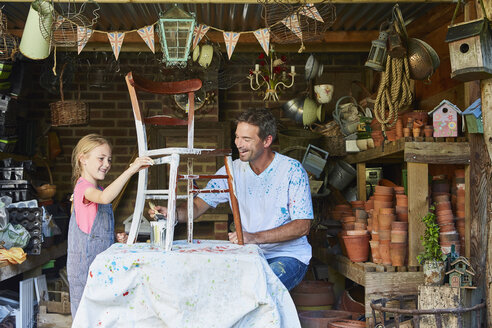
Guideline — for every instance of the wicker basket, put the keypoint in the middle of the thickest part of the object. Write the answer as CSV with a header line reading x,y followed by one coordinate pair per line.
x,y
70,112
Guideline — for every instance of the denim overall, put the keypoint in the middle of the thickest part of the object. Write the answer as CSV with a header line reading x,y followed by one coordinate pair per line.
x,y
83,248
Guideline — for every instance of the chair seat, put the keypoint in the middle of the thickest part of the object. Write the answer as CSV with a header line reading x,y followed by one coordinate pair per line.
x,y
164,120
202,152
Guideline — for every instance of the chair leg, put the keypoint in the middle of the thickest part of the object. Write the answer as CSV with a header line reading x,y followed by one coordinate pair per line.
x,y
139,206
234,203
171,201
190,201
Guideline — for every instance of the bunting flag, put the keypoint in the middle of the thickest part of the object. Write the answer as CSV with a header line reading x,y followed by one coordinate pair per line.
x,y
83,35
230,39
147,34
116,40
263,37
310,10
198,33
292,22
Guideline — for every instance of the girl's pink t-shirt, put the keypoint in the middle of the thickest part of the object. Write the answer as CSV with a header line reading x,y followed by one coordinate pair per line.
x,y
85,212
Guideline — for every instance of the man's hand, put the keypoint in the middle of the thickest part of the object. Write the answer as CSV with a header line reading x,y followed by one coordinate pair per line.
x,y
158,209
248,238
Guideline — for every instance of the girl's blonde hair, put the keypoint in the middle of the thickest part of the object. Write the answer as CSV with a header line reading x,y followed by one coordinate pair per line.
x,y
84,146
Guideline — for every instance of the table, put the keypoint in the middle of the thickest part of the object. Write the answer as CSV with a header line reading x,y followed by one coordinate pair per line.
x,y
204,284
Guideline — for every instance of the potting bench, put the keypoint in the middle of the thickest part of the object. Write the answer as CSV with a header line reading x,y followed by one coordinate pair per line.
x,y
382,280
417,156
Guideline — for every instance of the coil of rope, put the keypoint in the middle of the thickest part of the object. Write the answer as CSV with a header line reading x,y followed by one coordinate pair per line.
x,y
394,92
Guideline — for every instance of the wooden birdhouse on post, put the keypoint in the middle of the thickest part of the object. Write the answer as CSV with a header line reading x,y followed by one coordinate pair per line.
x,y
461,274
445,119
470,50
472,117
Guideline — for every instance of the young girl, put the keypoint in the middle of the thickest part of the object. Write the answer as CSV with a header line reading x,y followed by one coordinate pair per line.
x,y
91,229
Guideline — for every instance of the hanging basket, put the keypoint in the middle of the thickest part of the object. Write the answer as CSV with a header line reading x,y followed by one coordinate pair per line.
x,y
70,112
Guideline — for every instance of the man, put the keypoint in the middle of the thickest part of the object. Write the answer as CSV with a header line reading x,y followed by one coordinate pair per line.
x,y
273,195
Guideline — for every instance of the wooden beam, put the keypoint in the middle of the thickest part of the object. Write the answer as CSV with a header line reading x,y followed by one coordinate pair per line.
x,y
361,181
418,205
437,152
244,1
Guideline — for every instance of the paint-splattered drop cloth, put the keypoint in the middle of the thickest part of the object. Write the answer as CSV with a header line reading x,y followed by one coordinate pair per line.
x,y
206,284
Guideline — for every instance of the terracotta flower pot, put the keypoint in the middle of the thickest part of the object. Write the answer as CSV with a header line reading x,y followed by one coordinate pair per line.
x,y
403,217
360,226
360,214
385,221
399,190
443,206
375,235
387,210
398,253
342,243
384,251
428,130
383,197
399,226
375,250
402,200
348,219
320,319
398,236
313,293
384,235
416,132
401,209
407,132
357,247
384,190
418,124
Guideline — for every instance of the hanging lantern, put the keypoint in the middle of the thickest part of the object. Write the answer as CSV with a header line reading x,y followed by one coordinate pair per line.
x,y
377,54
176,28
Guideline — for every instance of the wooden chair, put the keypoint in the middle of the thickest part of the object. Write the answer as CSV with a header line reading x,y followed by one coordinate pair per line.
x,y
172,157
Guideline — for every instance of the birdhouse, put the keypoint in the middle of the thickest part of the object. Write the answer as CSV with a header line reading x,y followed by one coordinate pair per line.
x,y
445,119
472,116
470,50
461,274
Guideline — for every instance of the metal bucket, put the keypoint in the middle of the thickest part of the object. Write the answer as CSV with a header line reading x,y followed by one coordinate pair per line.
x,y
341,175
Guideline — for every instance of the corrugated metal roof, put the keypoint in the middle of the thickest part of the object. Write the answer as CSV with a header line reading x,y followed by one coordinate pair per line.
x,y
229,17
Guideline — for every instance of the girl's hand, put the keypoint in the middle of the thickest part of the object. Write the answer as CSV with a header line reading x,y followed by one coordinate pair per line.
x,y
158,209
140,163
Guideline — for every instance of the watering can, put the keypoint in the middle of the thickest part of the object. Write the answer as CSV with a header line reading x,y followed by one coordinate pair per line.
x,y
33,44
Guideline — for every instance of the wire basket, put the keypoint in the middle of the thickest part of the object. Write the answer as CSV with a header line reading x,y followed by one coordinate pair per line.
x,y
9,44
70,112
309,27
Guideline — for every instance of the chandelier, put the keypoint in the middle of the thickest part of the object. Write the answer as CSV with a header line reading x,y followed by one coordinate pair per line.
x,y
271,77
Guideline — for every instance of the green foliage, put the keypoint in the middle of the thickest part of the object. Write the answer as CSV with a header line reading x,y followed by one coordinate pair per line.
x,y
430,240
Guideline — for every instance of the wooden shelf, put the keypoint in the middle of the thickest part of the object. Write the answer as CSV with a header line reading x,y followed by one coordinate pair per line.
x,y
379,281
33,261
415,152
417,155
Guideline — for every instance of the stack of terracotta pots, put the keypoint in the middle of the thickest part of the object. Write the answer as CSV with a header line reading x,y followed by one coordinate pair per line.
x,y
383,215
444,215
388,225
313,294
354,234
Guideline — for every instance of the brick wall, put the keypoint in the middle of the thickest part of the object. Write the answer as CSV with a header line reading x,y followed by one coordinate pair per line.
x,y
111,113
